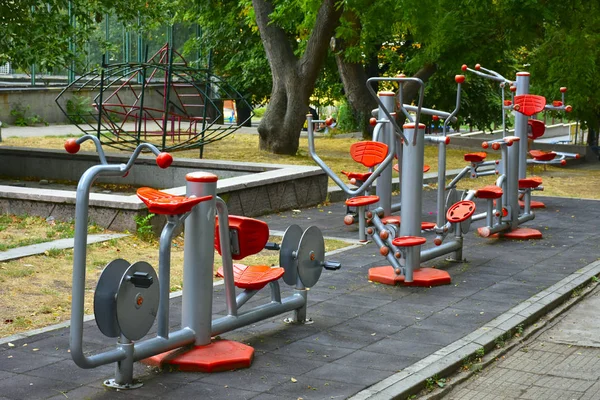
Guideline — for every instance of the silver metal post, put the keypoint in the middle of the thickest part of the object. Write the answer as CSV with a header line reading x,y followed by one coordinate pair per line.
x,y
384,182
521,125
198,258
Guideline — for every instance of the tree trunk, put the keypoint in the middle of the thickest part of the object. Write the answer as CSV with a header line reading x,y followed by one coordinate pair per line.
x,y
293,78
354,78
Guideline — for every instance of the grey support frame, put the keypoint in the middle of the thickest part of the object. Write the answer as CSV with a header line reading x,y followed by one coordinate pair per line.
x,y
303,259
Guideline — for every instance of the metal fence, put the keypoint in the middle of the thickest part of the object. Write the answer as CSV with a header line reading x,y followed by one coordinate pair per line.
x,y
5,69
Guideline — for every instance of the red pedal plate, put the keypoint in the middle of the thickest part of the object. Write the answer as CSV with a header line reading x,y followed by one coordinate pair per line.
x,y
476,157
253,277
409,241
489,192
362,201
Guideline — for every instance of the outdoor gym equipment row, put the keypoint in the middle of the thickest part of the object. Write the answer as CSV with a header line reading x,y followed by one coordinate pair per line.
x,y
129,297
512,183
400,238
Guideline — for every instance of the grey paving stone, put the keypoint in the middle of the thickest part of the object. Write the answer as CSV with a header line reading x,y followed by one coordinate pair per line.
x,y
309,388
405,348
201,390
341,339
280,363
23,360
440,335
357,374
66,369
248,379
313,350
31,387
384,362
362,326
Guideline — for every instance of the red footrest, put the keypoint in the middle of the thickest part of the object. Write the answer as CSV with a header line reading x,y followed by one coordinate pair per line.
x,y
391,219
426,168
253,277
540,155
476,157
164,203
489,192
460,211
408,241
362,201
358,175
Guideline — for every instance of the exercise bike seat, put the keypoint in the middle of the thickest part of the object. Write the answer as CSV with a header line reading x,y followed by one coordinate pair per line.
x,y
168,204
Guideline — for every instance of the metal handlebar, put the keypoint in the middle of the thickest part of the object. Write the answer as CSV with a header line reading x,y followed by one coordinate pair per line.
x,y
163,159
401,81
491,74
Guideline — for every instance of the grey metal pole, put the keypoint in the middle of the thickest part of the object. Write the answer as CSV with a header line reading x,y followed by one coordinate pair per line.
x,y
411,192
198,257
521,124
384,182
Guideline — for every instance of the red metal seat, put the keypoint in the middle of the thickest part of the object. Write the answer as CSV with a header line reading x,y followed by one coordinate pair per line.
x,y
530,183
489,192
409,241
253,277
168,204
362,201
252,236
529,104
540,155
476,157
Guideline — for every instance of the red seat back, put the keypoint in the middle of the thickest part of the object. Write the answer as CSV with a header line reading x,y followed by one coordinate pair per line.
x,y
369,153
249,236
530,104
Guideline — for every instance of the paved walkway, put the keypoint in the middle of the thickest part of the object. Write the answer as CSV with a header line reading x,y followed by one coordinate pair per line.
x,y
368,340
563,362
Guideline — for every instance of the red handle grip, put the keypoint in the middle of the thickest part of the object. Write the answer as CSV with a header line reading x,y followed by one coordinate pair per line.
x,y
164,160
71,146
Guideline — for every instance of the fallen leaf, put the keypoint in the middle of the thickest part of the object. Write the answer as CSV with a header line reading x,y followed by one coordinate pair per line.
x,y
294,380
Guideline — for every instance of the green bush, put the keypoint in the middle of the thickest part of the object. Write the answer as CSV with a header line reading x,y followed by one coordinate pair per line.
x,y
259,112
21,119
346,121
77,108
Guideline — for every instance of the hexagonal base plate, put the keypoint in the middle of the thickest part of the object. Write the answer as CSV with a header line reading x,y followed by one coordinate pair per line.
x,y
523,234
220,355
534,204
421,276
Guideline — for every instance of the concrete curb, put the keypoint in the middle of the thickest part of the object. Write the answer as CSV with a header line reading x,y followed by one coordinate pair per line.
x,y
448,359
60,244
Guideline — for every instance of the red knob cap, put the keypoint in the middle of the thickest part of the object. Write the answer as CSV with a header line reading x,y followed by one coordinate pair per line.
x,y
435,118
373,121
563,162
507,102
477,67
568,109
384,250
495,145
164,160
447,141
563,89
464,67
485,145
513,88
384,235
459,78
329,121
348,220
71,146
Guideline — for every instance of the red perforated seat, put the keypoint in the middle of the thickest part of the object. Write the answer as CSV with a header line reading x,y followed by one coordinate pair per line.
x,y
529,104
530,183
168,204
489,192
408,241
475,157
252,236
426,168
253,277
357,175
369,153
540,155
362,201
537,129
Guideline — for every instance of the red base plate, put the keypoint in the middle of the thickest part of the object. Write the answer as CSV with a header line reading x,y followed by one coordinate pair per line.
x,y
534,204
523,234
220,355
421,276
517,234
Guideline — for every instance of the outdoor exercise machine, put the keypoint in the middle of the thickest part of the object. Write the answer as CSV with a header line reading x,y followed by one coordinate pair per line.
x,y
526,129
400,237
129,297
